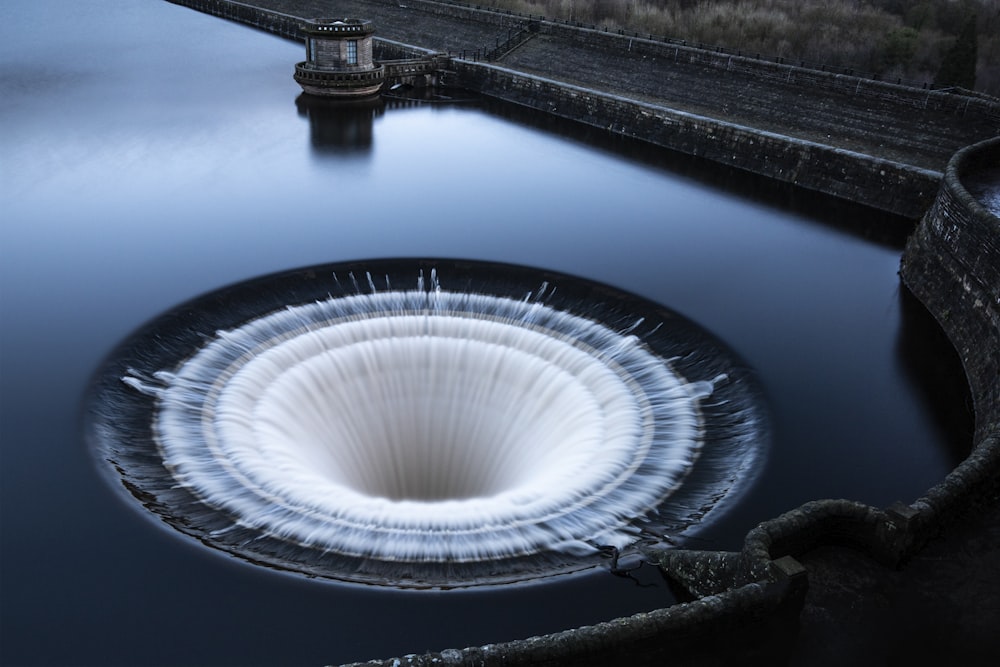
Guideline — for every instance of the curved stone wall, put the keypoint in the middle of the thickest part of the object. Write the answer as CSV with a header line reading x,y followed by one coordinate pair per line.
x,y
952,265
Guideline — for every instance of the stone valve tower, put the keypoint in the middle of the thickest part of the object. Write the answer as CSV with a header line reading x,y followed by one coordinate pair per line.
x,y
339,59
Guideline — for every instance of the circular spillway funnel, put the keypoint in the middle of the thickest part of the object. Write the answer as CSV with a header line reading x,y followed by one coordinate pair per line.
x,y
428,423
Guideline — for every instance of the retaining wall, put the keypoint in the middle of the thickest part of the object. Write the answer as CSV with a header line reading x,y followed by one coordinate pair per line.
x,y
969,106
952,265
892,186
284,25
882,184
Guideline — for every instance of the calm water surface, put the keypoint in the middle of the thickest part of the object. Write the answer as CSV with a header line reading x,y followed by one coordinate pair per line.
x,y
151,154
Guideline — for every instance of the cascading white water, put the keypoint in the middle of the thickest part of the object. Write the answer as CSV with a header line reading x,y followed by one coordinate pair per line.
x,y
426,436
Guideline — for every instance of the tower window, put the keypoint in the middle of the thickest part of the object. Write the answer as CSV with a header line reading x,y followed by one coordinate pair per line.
x,y
352,52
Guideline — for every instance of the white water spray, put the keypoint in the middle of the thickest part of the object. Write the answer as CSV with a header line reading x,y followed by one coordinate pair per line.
x,y
426,427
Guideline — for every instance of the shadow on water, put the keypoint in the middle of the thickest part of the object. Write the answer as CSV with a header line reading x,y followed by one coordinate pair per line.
x,y
346,128
935,372
340,128
873,226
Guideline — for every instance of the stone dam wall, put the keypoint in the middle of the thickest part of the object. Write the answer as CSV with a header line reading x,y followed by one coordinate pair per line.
x,y
277,23
973,107
882,184
952,265
846,170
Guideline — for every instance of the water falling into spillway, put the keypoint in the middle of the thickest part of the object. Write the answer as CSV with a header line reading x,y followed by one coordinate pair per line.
x,y
381,424
984,185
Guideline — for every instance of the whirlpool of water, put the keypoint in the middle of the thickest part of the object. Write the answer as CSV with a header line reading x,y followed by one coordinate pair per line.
x,y
429,423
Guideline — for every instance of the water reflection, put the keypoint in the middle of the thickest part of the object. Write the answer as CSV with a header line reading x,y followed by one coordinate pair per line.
x,y
340,128
935,370
347,127
838,214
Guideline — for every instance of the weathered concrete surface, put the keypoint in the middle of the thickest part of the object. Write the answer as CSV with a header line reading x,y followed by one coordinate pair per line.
x,y
942,607
952,265
875,182
796,107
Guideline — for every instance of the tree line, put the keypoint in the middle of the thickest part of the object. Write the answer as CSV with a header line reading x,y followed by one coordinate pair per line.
x,y
945,42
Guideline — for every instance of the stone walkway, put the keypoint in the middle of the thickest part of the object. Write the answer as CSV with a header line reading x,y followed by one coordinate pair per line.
x,y
922,138
926,140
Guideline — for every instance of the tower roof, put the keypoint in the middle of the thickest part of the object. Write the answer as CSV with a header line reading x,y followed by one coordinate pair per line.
x,y
338,27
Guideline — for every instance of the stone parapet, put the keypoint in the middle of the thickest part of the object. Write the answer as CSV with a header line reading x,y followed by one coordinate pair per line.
x,y
964,104
952,265
344,83
345,28
883,184
271,21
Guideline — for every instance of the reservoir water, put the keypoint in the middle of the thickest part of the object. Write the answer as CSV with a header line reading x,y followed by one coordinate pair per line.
x,y
151,154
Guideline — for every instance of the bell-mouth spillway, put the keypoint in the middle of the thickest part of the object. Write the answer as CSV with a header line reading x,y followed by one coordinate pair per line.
x,y
428,423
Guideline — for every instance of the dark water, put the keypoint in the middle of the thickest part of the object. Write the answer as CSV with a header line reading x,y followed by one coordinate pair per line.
x,y
150,154
984,185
